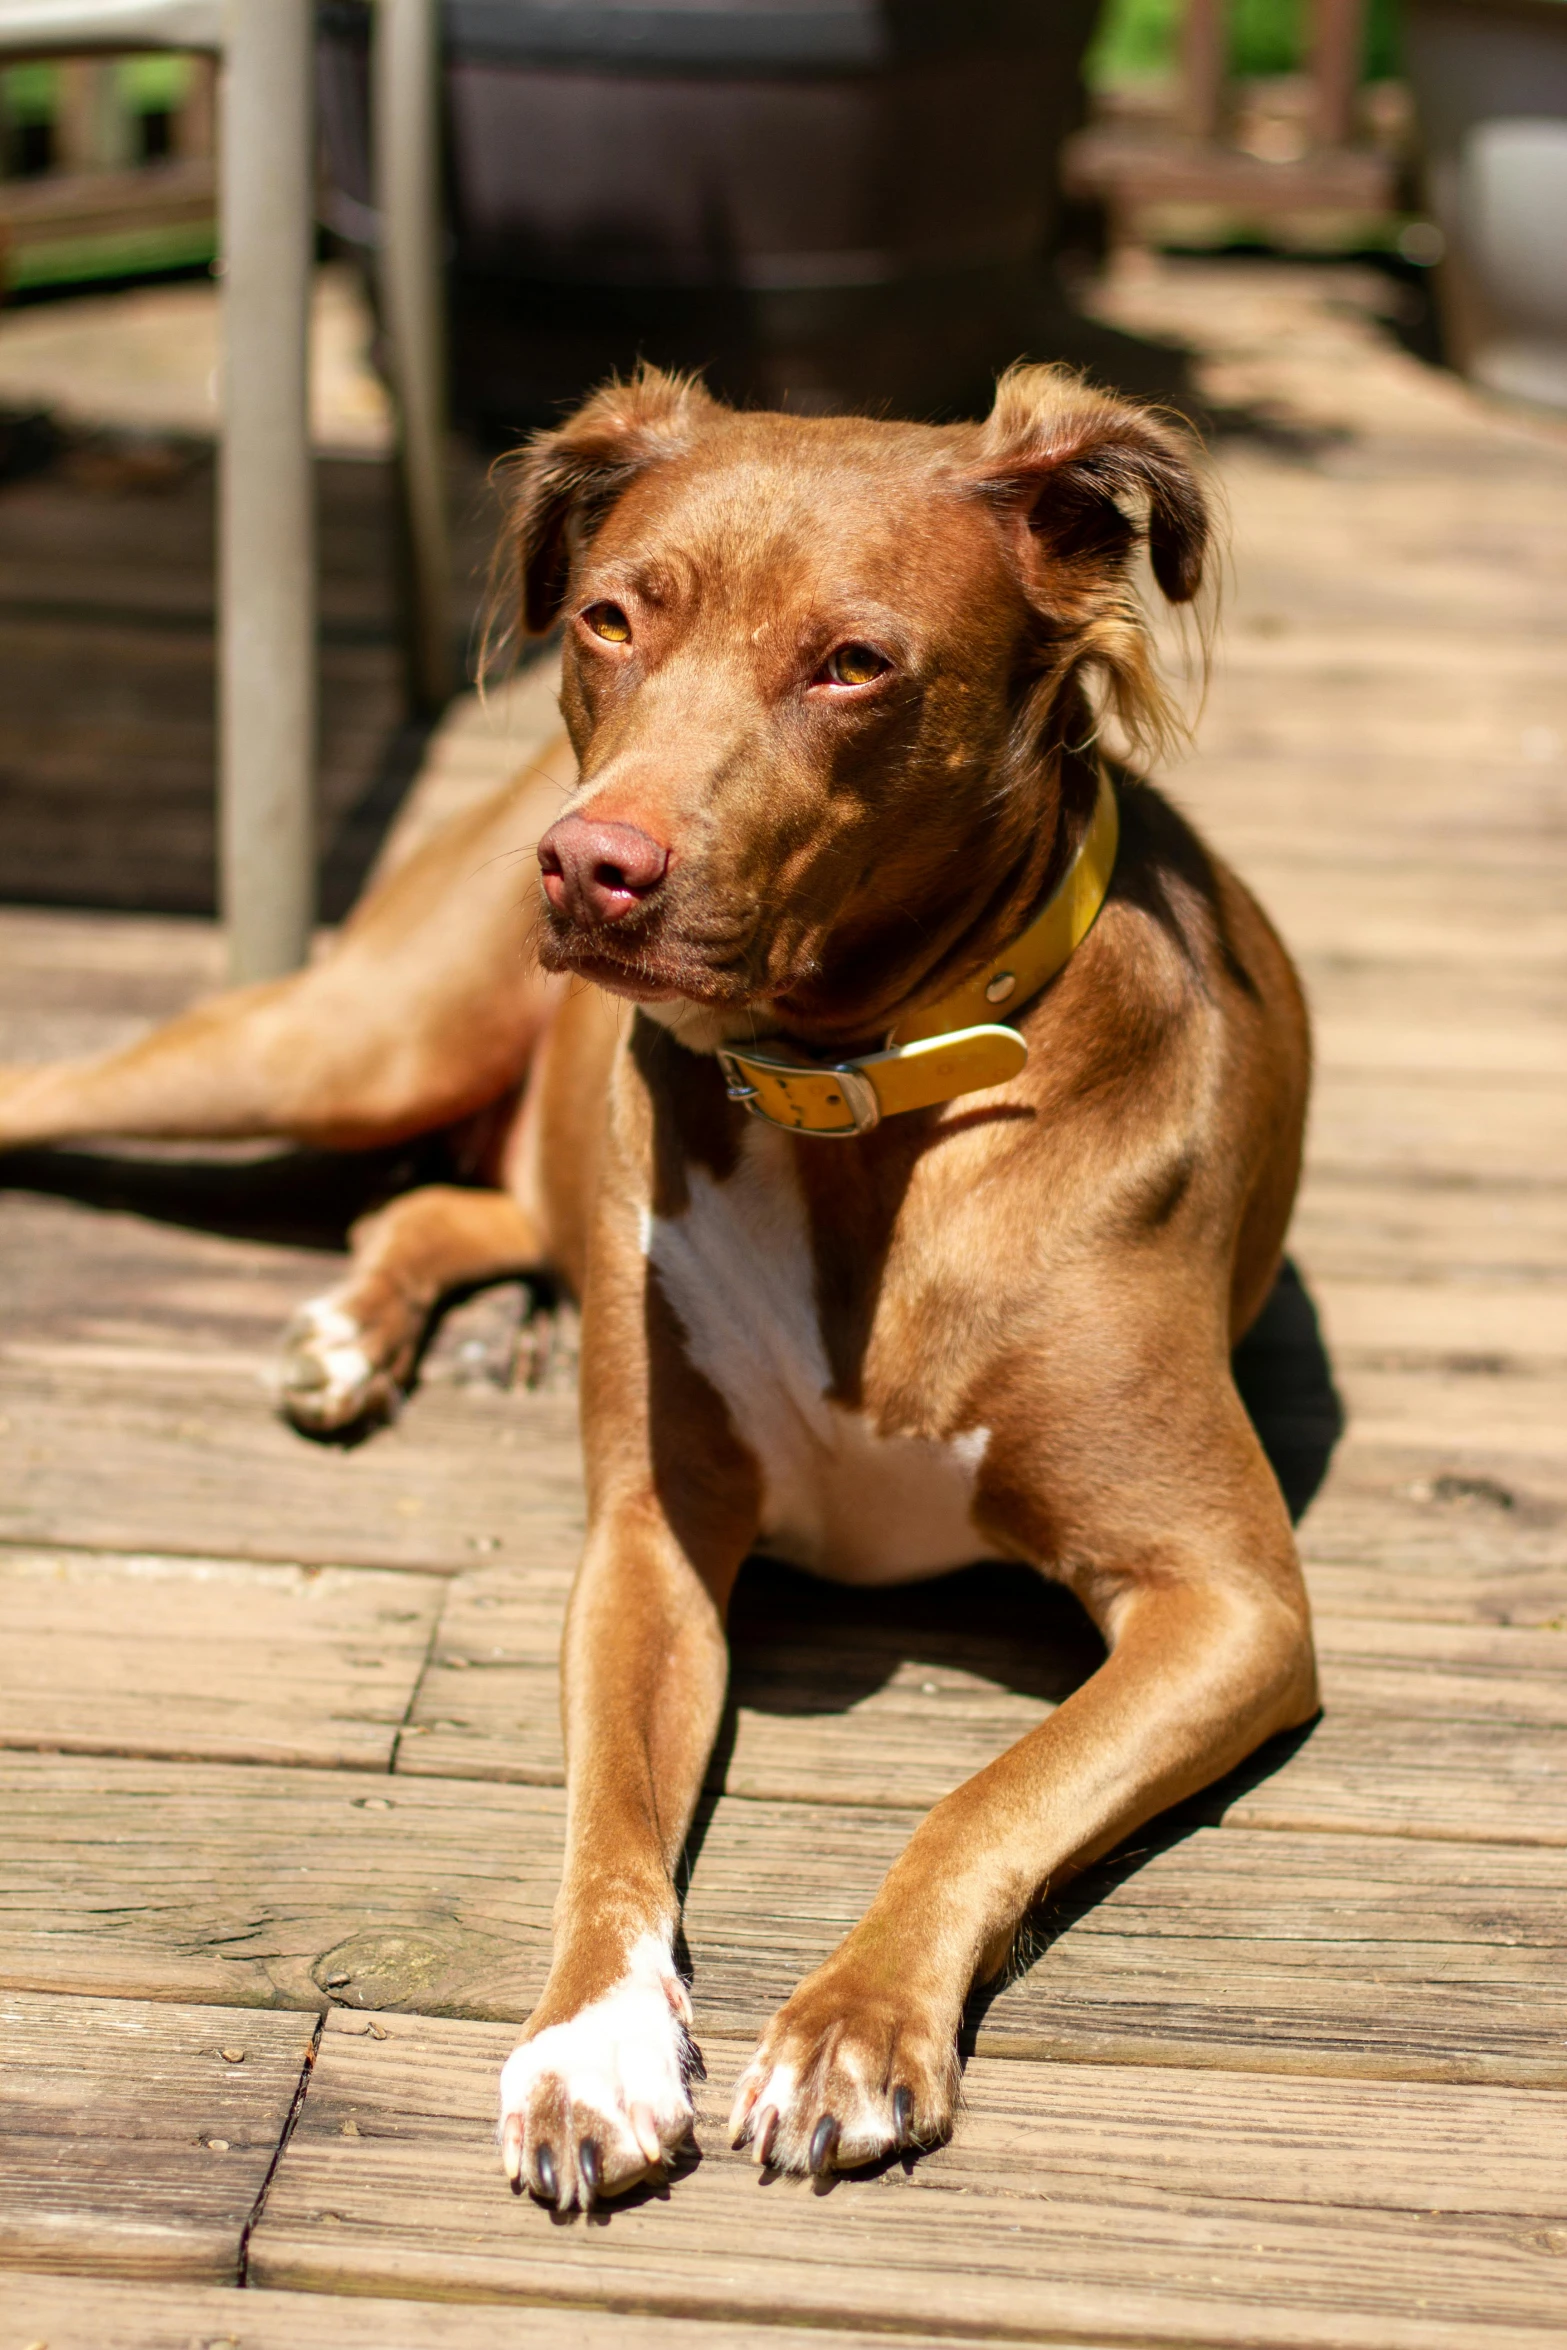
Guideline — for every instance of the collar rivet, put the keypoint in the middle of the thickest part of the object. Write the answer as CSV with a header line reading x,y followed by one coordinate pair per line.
x,y
998,989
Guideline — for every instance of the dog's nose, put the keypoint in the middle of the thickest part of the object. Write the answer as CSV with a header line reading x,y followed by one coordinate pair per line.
x,y
599,872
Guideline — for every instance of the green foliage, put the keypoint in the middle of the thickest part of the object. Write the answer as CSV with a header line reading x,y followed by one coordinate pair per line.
x,y
1267,36
1140,39
155,83
150,84
29,92
1384,43
1135,40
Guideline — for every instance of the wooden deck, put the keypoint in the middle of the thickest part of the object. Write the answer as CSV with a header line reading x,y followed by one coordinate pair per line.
x,y
281,1760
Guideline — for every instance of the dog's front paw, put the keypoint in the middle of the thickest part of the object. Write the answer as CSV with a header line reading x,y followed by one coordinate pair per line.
x,y
849,2071
335,1374
593,2104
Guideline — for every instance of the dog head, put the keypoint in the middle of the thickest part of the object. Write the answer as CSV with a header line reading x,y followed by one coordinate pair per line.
x,y
820,675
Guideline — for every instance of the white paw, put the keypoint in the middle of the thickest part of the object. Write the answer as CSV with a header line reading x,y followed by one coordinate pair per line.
x,y
591,2105
328,1380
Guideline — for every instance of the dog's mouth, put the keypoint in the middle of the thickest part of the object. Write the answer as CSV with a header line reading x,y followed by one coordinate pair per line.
x,y
643,973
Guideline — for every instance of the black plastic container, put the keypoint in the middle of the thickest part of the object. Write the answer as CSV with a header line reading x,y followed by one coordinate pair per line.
x,y
824,203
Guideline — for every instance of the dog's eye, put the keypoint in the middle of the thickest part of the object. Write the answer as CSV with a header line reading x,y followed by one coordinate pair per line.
x,y
855,665
609,622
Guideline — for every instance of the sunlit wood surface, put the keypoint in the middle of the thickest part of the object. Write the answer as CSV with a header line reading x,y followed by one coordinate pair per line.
x,y
281,1777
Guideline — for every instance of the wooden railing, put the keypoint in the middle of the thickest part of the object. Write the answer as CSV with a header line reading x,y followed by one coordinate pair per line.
x,y
95,123
99,204
1189,156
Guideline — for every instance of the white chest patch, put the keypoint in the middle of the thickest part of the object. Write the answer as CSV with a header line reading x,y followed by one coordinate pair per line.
x,y
839,1496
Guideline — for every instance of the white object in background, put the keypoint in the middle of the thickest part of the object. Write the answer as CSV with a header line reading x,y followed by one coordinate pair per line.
x,y
1512,197
42,25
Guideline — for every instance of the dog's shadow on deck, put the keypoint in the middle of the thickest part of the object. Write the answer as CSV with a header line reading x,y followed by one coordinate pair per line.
x,y
802,1646
271,1192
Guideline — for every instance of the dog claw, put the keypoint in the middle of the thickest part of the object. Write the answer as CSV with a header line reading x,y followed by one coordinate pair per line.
x,y
823,2140
903,2115
766,2131
544,2163
645,2131
588,2164
511,2147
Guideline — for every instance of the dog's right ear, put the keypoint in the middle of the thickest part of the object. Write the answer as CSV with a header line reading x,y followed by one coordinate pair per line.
x,y
559,486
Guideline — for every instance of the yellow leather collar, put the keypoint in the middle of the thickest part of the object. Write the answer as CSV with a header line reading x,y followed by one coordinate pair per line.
x,y
946,1048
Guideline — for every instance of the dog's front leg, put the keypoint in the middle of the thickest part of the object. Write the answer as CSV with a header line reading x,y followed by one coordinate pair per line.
x,y
597,2094
1210,1653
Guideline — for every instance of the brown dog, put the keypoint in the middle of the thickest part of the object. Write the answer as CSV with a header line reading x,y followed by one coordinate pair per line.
x,y
839,831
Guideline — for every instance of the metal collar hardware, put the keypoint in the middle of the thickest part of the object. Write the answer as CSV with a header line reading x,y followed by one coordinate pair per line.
x,y
950,1047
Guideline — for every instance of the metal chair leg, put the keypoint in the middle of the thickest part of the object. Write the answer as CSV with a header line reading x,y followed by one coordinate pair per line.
x,y
407,146
267,573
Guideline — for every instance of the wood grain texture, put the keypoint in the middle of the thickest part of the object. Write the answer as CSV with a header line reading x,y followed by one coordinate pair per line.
x,y
80,2313
1436,1126
141,1452
895,1697
1461,1404
1101,2200
132,2144
207,1657
1275,1952
1401,1321
1381,1228
1443,1535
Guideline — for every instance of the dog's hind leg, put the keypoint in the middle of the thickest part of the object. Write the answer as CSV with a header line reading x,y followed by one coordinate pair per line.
x,y
426,1009
348,1354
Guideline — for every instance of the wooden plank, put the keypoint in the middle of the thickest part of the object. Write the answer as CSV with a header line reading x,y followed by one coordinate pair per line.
x,y
84,983
1368,1227
1319,716
894,1697
1488,806
1191,1953
1429,1730
1478,1049
1460,1404
110,772
891,1696
1134,2205
1269,1952
146,1351
127,1260
209,1657
264,1888
186,1456
1441,1126
1443,1536
81,2313
1509,1321
139,2135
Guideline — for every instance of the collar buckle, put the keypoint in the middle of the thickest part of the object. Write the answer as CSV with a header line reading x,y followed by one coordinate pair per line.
x,y
834,1100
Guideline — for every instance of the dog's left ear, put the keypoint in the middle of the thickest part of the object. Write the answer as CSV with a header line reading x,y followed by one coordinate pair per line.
x,y
1087,477
561,484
